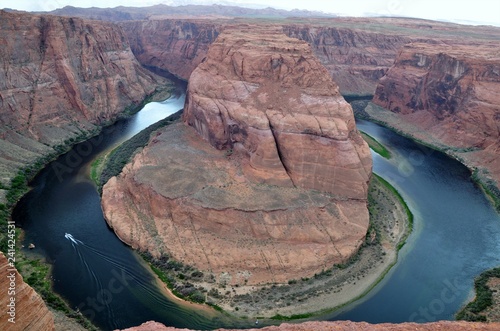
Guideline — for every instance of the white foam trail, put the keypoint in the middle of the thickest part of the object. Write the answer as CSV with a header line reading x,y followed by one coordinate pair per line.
x,y
70,237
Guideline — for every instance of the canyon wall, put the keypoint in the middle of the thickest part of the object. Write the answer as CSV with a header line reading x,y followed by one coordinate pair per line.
x,y
61,79
175,45
356,51
448,95
356,59
30,312
283,193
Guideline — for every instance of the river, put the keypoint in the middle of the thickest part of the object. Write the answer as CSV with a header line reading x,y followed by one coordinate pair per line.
x,y
457,235
92,269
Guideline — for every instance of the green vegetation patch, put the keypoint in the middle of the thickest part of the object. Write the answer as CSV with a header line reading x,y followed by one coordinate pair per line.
x,y
36,274
18,187
484,298
102,171
279,317
376,146
489,187
409,214
178,277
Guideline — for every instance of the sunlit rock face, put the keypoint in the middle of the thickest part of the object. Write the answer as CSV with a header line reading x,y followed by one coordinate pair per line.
x,y
266,96
266,179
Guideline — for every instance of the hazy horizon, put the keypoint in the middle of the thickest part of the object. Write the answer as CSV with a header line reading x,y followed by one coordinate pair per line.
x,y
466,12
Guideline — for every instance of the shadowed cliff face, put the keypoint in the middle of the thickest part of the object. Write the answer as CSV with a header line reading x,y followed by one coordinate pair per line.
x,y
61,78
450,95
31,314
266,96
177,46
285,197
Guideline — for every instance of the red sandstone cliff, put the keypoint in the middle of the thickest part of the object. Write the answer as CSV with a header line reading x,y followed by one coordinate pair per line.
x,y
348,326
30,312
60,79
356,51
448,95
356,59
177,46
285,199
266,96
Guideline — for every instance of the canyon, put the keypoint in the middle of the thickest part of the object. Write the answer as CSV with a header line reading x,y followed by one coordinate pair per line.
x,y
358,53
356,56
65,78
62,80
266,208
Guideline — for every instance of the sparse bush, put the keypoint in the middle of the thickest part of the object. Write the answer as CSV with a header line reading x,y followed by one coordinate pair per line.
x,y
483,299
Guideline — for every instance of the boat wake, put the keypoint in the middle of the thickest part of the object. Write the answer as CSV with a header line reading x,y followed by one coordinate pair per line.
x,y
73,240
93,258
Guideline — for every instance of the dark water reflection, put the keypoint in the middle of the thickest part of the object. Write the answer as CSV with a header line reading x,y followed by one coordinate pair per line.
x,y
456,236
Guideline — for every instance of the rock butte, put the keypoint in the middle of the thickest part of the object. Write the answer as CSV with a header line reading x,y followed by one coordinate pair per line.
x,y
31,314
284,199
266,96
347,326
358,52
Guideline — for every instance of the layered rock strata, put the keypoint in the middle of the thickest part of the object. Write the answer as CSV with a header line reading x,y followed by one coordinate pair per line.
x,y
27,310
283,194
356,51
177,46
347,326
449,96
61,78
356,59
267,97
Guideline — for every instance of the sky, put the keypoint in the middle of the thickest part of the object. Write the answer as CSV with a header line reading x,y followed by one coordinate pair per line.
x,y
469,12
